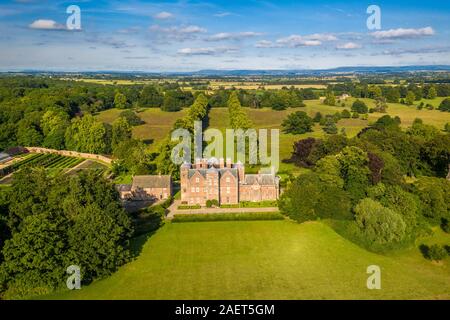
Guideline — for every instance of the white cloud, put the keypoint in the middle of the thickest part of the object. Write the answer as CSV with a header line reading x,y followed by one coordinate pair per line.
x,y
163,15
233,36
192,29
222,14
207,51
403,33
177,33
321,37
43,24
298,41
265,44
349,46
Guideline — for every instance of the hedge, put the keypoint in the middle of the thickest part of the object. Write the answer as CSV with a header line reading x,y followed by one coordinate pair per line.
x,y
187,207
227,217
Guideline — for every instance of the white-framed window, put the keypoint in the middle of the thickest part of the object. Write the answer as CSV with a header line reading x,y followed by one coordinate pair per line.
x,y
197,189
197,179
228,190
192,189
228,179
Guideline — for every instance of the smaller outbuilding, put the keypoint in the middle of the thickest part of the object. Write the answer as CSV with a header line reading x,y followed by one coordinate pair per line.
x,y
150,187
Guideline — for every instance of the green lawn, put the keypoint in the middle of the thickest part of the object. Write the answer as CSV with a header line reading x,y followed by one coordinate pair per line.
x,y
265,260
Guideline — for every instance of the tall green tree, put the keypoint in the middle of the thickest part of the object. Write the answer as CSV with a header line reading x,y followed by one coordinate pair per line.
x,y
297,123
87,134
150,97
121,131
120,101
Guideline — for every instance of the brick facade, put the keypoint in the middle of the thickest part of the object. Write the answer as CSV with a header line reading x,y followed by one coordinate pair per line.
x,y
225,182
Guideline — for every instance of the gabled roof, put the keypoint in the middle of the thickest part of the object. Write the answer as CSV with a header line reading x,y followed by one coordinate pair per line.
x,y
222,171
261,179
154,181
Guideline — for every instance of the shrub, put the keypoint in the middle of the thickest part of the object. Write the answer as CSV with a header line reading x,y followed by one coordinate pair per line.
x,y
227,217
189,207
131,118
445,225
379,224
227,206
445,105
435,252
447,127
345,114
208,203
359,107
261,204
215,202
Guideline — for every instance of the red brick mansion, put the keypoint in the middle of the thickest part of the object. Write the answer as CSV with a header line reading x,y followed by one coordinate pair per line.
x,y
225,182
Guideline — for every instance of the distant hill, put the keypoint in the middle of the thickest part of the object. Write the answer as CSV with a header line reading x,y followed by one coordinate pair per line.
x,y
261,72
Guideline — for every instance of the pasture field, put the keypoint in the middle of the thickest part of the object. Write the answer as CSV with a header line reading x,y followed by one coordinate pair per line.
x,y
158,123
256,85
265,260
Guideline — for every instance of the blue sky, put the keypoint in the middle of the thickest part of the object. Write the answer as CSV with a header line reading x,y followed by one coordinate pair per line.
x,y
193,35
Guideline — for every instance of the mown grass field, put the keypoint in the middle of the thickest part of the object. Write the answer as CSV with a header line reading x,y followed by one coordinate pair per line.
x,y
266,260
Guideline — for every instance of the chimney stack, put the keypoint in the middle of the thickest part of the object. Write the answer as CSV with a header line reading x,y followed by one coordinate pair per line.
x,y
229,163
198,164
205,163
221,163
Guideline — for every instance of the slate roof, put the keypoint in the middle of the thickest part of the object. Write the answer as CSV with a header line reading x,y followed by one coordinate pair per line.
x,y
154,181
203,172
261,179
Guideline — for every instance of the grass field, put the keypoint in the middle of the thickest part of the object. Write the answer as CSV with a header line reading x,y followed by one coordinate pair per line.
x,y
158,124
266,260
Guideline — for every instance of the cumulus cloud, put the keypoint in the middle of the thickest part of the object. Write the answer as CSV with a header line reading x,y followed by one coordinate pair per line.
x,y
349,46
43,24
233,36
207,51
163,15
403,33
